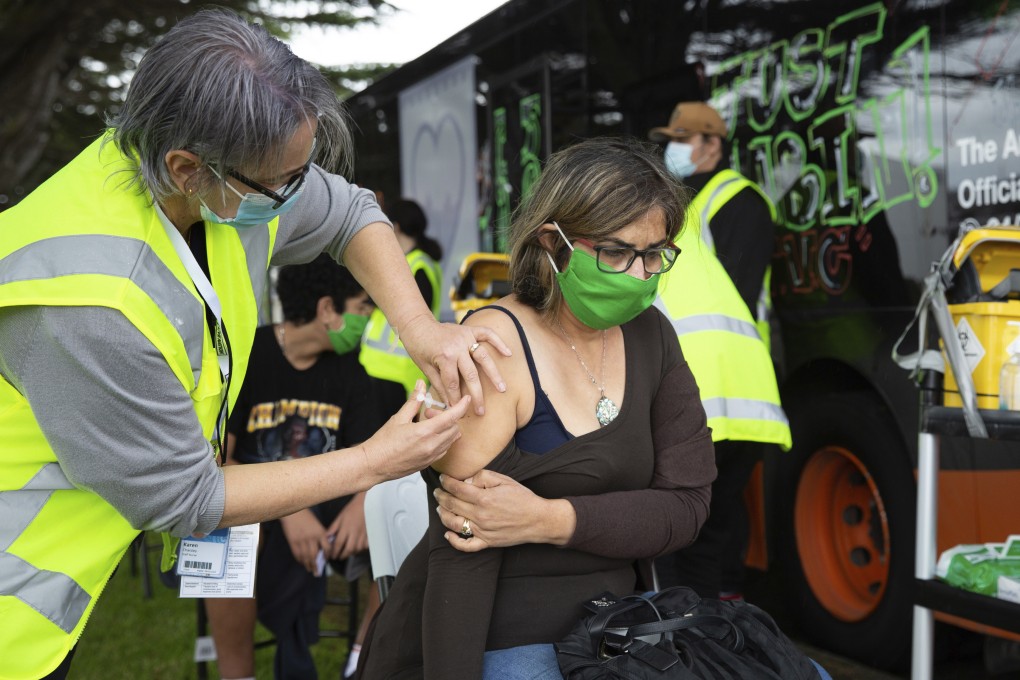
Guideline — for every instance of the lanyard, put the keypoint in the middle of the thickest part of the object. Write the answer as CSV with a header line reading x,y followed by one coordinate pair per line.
x,y
214,316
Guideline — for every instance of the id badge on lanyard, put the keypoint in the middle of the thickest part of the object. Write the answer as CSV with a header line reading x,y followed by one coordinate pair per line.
x,y
214,317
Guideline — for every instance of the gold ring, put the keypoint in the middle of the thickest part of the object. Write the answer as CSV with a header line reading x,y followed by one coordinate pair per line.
x,y
473,347
465,530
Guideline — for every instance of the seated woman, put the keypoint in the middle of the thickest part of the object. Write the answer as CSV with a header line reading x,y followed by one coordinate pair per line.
x,y
601,420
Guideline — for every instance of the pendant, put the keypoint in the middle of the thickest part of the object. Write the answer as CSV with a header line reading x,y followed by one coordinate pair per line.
x,y
606,411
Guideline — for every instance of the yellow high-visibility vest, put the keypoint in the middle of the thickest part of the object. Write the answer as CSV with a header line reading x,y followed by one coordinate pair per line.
x,y
382,353
719,339
85,238
723,186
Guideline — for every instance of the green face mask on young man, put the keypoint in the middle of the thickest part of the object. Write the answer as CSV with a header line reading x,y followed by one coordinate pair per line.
x,y
347,338
598,299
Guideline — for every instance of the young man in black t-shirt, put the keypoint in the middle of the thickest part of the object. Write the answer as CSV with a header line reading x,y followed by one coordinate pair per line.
x,y
305,393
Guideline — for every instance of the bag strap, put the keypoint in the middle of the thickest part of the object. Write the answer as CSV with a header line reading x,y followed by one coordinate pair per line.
x,y
699,621
664,600
933,301
599,622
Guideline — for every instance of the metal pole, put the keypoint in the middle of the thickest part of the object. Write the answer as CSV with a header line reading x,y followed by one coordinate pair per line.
x,y
924,555
926,527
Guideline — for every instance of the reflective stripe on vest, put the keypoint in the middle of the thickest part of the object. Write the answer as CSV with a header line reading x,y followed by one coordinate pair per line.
x,y
54,595
747,409
722,187
82,239
720,407
383,337
714,322
382,354
710,207
126,258
383,342
723,347
257,243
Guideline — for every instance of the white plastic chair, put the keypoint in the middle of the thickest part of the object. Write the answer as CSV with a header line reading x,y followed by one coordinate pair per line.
x,y
396,517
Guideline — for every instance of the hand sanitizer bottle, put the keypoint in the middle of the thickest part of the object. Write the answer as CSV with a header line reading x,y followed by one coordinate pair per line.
x,y
1009,376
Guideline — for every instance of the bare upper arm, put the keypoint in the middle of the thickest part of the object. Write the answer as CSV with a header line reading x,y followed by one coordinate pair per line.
x,y
483,437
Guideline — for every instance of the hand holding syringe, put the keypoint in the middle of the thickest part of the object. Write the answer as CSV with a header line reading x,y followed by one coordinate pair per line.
x,y
428,401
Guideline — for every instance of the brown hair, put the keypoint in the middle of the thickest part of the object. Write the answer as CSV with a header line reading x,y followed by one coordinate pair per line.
x,y
591,190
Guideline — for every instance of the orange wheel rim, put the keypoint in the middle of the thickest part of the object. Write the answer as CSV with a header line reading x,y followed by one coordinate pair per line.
x,y
842,533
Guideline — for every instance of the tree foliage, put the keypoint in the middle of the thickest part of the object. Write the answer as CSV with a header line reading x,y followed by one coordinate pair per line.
x,y
65,65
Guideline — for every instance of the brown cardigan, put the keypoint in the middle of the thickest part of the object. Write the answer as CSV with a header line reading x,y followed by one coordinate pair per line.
x,y
640,488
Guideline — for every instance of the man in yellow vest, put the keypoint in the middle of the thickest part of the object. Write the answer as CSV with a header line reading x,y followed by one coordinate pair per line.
x,y
130,284
382,353
717,298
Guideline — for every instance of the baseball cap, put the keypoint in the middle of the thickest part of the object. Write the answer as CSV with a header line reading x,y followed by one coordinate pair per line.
x,y
689,118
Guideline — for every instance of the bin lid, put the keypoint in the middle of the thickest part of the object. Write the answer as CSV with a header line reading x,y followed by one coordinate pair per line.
x,y
482,276
992,251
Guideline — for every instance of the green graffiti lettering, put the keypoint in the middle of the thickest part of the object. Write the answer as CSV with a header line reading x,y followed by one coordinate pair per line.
x,y
727,85
531,125
845,41
888,183
800,206
806,75
763,109
832,135
501,178
760,149
831,161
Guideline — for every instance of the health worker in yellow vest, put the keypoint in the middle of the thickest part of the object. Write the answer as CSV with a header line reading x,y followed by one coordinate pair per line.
x,y
717,297
130,284
382,353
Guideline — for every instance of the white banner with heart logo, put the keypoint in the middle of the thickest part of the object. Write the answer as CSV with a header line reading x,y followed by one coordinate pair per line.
x,y
438,149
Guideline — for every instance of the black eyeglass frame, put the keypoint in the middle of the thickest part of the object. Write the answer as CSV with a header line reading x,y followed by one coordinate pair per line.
x,y
292,185
667,263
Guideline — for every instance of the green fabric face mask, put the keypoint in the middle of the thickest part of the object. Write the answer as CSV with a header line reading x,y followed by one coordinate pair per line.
x,y
348,338
598,299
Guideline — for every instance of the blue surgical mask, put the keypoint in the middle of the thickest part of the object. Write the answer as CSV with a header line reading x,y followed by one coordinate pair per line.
x,y
678,159
254,209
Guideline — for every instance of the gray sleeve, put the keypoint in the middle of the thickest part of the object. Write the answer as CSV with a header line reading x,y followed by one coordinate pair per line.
x,y
329,212
118,419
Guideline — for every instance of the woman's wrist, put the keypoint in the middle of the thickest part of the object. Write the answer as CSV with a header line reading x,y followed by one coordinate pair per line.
x,y
559,521
416,320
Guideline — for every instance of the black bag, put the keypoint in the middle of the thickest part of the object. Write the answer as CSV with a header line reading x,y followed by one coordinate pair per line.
x,y
676,634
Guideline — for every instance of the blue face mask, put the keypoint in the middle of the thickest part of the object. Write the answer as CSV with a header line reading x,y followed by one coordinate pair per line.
x,y
254,209
678,159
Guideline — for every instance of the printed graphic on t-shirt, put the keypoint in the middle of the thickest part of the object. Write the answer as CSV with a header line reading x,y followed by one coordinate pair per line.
x,y
291,428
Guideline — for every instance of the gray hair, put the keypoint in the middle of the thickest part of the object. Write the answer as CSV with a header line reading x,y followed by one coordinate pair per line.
x,y
229,92
591,190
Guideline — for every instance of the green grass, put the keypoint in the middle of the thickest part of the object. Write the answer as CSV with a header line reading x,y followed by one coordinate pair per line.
x,y
131,637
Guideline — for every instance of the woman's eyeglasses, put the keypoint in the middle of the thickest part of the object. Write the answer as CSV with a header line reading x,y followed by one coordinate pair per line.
x,y
283,194
616,260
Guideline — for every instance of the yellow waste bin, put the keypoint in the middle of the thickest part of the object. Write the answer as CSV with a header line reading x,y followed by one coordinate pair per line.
x,y
984,299
482,279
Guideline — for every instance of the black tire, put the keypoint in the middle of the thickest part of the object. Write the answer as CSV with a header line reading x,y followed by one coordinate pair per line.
x,y
848,574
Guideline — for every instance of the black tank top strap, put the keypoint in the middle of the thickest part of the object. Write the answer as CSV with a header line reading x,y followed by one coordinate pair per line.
x,y
544,431
524,341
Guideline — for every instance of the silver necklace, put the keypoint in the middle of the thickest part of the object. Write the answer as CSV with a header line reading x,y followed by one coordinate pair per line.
x,y
605,409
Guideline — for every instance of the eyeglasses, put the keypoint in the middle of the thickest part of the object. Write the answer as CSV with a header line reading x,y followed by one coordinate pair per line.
x,y
617,260
282,195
